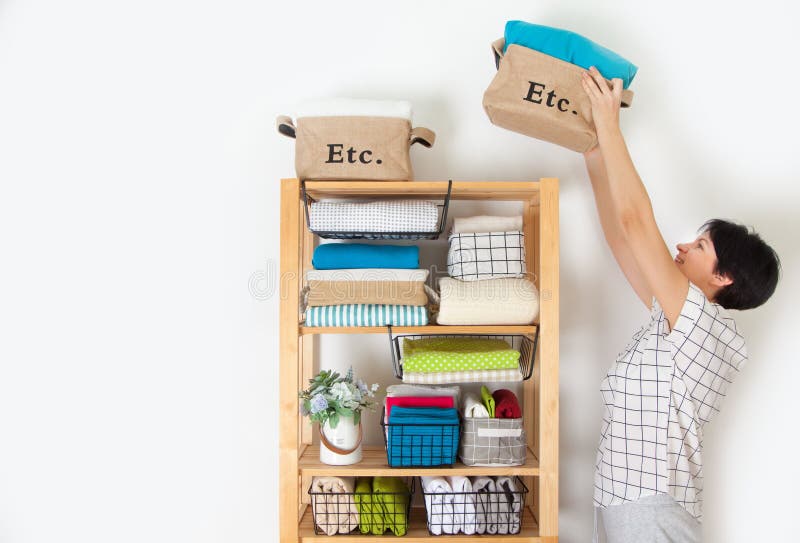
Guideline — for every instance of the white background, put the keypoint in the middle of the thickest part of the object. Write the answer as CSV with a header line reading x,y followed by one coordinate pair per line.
x,y
139,239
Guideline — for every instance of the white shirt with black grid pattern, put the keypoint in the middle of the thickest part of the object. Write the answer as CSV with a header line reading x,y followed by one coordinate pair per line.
x,y
659,394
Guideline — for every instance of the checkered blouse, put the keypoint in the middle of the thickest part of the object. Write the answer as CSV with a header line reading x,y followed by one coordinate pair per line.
x,y
659,394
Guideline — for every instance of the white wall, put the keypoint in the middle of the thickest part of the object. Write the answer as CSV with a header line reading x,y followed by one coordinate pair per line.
x,y
139,233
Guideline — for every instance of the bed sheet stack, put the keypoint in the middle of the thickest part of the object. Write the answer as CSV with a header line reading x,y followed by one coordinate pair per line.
x,y
354,284
459,359
487,283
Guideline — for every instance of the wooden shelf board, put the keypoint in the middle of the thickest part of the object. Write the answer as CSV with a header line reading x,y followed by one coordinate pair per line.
x,y
374,463
418,532
462,190
432,329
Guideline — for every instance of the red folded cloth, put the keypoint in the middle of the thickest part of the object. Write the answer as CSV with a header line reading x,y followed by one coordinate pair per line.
x,y
417,401
506,405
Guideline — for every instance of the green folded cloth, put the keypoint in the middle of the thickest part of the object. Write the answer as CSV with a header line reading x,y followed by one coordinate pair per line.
x,y
488,401
431,355
369,521
391,497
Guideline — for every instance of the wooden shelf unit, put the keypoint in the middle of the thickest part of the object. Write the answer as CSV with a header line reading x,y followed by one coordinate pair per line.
x,y
299,457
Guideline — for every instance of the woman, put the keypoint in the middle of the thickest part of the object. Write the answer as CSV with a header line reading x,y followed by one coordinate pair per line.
x,y
673,375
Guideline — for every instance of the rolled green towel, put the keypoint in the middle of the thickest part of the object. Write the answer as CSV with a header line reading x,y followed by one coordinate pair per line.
x,y
391,497
369,521
488,400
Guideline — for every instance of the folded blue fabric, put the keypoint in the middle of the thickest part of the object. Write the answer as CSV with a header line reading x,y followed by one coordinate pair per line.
x,y
338,256
570,47
422,436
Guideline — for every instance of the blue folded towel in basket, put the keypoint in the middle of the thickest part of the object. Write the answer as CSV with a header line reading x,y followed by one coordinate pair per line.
x,y
422,436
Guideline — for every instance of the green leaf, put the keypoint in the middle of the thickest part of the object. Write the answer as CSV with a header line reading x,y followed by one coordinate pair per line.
x,y
357,417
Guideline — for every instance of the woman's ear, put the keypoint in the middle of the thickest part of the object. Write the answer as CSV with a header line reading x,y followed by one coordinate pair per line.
x,y
721,280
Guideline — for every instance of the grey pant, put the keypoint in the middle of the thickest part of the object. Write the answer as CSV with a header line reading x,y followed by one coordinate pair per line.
x,y
652,519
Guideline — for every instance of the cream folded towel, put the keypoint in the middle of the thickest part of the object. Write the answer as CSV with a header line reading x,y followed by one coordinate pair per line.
x,y
505,301
334,509
486,223
473,407
367,274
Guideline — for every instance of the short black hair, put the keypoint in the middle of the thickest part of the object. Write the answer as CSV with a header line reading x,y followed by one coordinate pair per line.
x,y
745,258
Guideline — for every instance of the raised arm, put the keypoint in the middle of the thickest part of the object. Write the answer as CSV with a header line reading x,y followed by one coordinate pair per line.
x,y
611,227
630,203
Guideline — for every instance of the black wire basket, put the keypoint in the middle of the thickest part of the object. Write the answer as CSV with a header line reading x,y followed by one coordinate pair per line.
x,y
477,512
520,342
342,513
421,445
330,234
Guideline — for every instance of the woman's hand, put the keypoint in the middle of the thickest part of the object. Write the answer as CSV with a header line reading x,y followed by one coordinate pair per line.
x,y
605,101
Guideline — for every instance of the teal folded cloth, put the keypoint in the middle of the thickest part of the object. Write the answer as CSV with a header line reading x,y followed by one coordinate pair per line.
x,y
570,47
422,436
338,256
367,315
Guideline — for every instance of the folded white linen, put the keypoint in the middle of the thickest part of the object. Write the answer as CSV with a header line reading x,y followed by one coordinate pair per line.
x,y
509,506
389,216
367,274
473,407
354,107
489,255
485,505
334,508
486,223
505,301
439,505
425,391
463,504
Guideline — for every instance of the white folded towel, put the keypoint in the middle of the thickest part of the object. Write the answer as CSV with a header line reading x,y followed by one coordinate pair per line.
x,y
510,505
439,505
473,407
335,509
354,107
463,504
486,223
367,274
485,505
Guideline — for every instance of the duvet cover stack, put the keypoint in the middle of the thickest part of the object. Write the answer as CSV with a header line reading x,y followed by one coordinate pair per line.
x,y
487,283
355,284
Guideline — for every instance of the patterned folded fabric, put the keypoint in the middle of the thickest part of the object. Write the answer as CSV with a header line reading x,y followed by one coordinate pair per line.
x,y
474,376
366,292
384,216
366,315
434,354
487,255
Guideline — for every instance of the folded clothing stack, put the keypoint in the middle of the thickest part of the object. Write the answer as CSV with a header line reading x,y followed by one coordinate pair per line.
x,y
422,436
570,47
486,265
382,504
473,505
366,285
492,431
393,216
459,360
333,504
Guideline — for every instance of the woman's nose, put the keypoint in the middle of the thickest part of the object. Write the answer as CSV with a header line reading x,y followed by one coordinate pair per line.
x,y
682,247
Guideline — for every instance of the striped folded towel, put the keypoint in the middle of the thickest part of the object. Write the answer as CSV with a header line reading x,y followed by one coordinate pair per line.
x,y
366,315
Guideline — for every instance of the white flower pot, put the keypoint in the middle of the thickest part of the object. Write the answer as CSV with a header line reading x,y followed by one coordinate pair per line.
x,y
340,446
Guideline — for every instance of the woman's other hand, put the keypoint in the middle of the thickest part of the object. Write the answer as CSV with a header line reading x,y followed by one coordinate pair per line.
x,y
605,100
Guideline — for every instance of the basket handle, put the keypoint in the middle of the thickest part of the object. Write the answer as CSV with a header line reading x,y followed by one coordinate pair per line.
x,y
424,136
285,126
333,448
497,49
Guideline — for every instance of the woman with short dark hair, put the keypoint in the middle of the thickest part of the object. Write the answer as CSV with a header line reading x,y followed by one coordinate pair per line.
x,y
672,377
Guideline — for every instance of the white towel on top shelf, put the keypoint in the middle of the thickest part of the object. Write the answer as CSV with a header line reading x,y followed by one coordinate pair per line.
x,y
486,223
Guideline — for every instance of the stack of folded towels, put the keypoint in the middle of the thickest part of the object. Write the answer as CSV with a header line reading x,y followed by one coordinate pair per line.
x,y
422,425
435,360
374,505
355,284
486,268
382,504
472,505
